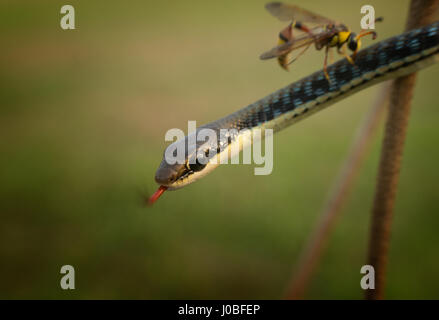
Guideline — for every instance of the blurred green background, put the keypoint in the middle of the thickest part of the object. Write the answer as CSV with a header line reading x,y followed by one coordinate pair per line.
x,y
83,118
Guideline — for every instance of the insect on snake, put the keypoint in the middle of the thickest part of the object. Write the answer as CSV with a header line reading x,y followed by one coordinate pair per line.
x,y
326,33
391,58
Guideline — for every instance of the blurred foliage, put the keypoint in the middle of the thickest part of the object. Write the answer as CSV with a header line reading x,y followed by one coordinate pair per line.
x,y
83,118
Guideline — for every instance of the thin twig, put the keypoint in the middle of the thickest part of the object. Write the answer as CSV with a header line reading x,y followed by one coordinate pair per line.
x,y
421,12
338,195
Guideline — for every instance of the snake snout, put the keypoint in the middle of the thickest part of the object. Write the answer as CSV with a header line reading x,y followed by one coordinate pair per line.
x,y
165,176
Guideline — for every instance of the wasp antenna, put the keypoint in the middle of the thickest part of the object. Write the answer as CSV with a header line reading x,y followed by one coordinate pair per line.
x,y
361,35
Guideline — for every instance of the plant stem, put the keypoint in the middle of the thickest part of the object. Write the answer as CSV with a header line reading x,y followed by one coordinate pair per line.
x,y
337,197
421,12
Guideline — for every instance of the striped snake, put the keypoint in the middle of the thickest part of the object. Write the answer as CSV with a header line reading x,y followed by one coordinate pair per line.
x,y
387,59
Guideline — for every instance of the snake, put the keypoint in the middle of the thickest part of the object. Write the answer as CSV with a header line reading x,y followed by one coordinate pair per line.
x,y
388,59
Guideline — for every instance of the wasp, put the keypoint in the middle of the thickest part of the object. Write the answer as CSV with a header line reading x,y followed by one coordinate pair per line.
x,y
325,33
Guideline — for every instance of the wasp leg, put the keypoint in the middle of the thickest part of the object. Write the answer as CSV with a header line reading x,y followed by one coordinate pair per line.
x,y
287,34
325,65
342,51
300,26
301,53
331,56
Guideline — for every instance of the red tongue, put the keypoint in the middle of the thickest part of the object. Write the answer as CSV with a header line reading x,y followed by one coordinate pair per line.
x,y
156,195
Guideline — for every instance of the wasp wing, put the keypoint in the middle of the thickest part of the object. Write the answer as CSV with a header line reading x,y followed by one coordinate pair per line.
x,y
315,35
288,12
283,49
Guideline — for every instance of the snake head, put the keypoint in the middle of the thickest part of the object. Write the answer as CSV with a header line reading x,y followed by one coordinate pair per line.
x,y
184,162
196,155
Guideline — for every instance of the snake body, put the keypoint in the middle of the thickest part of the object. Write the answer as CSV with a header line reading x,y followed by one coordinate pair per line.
x,y
387,59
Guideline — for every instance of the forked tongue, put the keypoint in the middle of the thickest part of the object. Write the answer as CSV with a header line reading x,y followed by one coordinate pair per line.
x,y
156,195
